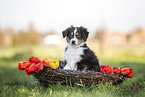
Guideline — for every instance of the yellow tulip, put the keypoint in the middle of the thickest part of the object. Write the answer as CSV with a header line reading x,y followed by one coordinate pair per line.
x,y
54,64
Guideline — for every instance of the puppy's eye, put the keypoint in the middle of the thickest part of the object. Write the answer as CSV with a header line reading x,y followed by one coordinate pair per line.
x,y
77,33
72,33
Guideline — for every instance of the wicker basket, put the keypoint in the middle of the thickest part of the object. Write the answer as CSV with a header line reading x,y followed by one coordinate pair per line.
x,y
50,76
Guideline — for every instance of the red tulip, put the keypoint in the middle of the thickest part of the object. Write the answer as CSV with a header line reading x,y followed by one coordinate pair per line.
x,y
30,69
116,70
21,69
103,69
126,70
33,60
46,62
29,73
130,75
38,67
107,69
23,65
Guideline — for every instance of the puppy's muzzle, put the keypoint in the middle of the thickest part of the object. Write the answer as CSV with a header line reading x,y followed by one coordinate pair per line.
x,y
73,42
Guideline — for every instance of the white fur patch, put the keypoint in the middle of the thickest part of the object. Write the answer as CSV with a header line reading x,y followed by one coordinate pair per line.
x,y
75,31
72,56
74,39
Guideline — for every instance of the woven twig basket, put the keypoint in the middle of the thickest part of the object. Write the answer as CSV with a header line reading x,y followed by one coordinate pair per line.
x,y
49,76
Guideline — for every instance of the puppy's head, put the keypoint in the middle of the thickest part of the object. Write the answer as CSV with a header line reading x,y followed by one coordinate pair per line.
x,y
75,35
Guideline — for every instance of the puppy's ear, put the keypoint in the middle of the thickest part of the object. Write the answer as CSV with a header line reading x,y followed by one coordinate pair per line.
x,y
84,32
64,33
68,30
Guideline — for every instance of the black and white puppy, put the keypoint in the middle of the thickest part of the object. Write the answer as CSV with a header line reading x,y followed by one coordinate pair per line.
x,y
77,55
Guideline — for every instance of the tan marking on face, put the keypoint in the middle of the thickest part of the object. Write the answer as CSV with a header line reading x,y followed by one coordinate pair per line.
x,y
68,40
72,33
80,41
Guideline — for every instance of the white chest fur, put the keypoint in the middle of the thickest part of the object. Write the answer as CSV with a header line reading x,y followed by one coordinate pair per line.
x,y
72,56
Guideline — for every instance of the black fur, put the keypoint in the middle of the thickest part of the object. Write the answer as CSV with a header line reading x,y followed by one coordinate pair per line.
x,y
83,32
65,62
89,61
68,31
66,49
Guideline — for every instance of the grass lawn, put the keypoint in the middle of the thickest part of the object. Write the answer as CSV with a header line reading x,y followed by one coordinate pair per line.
x,y
15,83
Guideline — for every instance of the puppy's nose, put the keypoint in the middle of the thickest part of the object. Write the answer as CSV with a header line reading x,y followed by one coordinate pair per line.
x,y
73,42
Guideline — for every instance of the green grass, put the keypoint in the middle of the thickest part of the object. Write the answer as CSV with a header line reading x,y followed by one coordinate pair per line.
x,y
15,83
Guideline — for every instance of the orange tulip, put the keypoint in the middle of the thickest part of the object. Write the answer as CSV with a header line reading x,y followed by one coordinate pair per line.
x,y
46,62
39,67
40,61
23,65
116,70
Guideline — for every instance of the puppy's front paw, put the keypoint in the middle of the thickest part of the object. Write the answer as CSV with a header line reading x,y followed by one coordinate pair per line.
x,y
67,67
79,59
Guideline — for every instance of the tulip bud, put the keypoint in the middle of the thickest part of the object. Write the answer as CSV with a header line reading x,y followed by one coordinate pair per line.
x,y
116,70
33,60
46,62
130,75
30,69
39,67
107,69
40,61
54,64
126,70
23,65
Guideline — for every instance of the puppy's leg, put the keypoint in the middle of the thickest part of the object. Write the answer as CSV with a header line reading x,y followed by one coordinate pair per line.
x,y
67,67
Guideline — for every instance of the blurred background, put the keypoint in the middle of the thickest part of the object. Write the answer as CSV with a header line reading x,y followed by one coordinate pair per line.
x,y
34,28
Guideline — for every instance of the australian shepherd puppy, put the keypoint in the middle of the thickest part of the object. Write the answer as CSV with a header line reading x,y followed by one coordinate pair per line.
x,y
77,55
